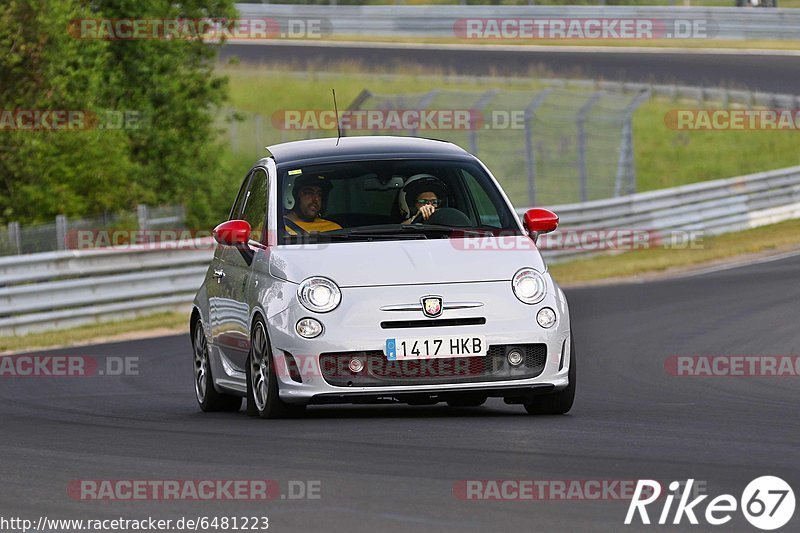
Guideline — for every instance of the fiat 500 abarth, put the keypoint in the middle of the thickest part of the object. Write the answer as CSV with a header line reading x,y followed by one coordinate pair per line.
x,y
379,269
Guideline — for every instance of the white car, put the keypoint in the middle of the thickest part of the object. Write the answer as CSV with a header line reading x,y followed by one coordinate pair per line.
x,y
379,269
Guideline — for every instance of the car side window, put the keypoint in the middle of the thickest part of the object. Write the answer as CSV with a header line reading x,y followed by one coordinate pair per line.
x,y
236,210
486,210
255,204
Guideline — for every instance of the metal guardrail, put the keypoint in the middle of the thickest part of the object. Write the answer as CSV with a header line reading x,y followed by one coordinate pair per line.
x,y
710,208
60,289
439,21
54,290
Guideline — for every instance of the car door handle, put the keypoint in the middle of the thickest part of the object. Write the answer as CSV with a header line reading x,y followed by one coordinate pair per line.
x,y
218,274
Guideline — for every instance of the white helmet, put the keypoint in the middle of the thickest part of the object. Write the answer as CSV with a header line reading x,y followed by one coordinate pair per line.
x,y
416,184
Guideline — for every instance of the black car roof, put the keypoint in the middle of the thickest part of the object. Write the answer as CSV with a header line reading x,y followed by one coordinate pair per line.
x,y
364,147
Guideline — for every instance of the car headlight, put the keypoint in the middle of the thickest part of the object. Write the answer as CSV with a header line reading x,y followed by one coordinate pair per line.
x,y
319,294
546,317
529,286
308,328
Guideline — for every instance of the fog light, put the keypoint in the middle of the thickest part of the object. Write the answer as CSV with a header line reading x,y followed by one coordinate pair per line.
x,y
308,328
356,365
546,317
515,357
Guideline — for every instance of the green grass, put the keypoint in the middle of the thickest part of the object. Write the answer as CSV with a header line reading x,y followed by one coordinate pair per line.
x,y
774,238
664,157
668,158
88,333
265,90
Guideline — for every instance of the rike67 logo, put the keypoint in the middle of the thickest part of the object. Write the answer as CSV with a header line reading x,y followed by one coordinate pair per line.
x,y
767,503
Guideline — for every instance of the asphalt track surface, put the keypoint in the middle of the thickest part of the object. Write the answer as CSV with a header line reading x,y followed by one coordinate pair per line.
x,y
393,468
740,70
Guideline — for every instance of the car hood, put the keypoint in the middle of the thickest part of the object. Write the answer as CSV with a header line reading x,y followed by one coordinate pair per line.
x,y
408,262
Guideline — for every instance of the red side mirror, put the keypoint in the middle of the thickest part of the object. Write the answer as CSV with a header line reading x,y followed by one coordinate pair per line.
x,y
232,232
538,221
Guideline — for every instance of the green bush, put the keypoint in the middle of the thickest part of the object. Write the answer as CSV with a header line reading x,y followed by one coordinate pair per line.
x,y
171,157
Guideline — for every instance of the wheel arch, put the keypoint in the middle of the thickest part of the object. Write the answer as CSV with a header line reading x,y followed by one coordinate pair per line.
x,y
258,313
193,321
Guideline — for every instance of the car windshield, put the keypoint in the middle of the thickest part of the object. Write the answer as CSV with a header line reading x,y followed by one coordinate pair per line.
x,y
389,199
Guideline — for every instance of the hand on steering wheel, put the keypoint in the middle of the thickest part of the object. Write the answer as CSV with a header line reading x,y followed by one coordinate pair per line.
x,y
425,211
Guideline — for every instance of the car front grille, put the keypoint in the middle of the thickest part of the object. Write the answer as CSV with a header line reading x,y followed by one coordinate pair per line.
x,y
440,322
378,371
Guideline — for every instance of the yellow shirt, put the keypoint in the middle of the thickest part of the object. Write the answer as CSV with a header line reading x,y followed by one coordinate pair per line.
x,y
315,226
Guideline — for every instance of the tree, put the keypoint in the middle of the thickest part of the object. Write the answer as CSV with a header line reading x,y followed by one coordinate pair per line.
x,y
170,156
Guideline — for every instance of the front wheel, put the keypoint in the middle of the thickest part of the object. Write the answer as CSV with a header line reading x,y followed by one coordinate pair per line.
x,y
557,403
207,396
262,383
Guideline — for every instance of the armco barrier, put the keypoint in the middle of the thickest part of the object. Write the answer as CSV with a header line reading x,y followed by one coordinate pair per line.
x,y
54,290
59,289
711,207
439,21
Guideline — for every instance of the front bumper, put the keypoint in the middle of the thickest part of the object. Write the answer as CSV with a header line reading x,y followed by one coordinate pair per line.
x,y
356,326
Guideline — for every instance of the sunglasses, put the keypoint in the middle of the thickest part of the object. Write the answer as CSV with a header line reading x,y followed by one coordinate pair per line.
x,y
434,203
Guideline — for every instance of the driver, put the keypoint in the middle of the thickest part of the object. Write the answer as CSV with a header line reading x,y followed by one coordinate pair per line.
x,y
310,196
420,197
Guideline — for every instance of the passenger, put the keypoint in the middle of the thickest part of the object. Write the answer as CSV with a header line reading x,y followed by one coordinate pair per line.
x,y
310,198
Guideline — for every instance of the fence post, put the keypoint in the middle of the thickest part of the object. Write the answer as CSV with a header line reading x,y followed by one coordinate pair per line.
x,y
259,133
356,104
143,216
61,232
626,167
14,236
581,123
424,102
530,153
482,102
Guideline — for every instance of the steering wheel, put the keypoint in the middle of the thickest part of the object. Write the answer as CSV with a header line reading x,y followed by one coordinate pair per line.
x,y
449,216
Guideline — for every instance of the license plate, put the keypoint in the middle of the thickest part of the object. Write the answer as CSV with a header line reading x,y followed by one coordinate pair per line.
x,y
435,347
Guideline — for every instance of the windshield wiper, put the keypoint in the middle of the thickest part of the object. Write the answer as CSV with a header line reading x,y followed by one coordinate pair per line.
x,y
396,231
376,234
469,231
354,234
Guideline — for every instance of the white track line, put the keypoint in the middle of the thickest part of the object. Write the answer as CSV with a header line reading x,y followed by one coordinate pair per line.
x,y
522,48
737,264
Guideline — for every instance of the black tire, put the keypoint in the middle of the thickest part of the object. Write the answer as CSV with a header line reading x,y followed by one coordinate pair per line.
x,y
466,401
207,396
267,402
557,403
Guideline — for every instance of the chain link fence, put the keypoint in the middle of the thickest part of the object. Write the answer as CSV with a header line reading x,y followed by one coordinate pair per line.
x,y
558,145
568,141
60,234
552,146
